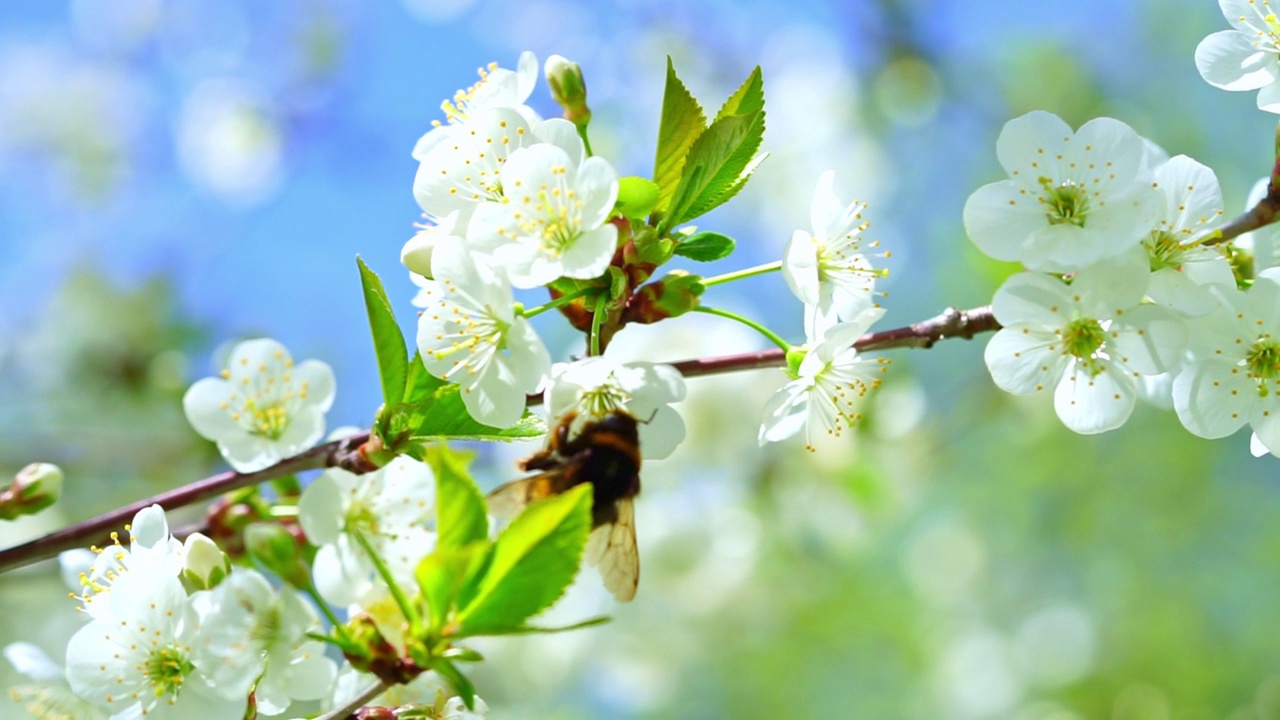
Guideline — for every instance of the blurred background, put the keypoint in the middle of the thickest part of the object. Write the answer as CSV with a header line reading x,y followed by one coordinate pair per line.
x,y
176,175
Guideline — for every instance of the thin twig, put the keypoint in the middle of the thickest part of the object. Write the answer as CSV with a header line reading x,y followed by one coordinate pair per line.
x,y
339,453
356,703
1266,212
951,323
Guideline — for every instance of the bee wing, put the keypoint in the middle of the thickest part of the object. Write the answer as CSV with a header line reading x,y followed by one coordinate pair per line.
x,y
508,500
612,547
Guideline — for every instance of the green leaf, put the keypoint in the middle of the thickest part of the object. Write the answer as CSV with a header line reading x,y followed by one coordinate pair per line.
x,y
705,246
682,123
419,384
637,197
617,283
476,572
733,188
461,517
747,99
719,162
534,560
441,577
721,159
433,409
388,342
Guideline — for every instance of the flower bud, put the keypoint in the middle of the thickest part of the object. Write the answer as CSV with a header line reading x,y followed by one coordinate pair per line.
x,y
375,713
226,521
277,549
34,488
368,651
416,254
675,294
206,565
568,89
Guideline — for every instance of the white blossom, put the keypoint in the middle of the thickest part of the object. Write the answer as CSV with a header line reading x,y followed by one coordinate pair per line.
x,y
264,408
1072,198
140,657
825,267
831,383
469,333
498,88
463,171
392,509
254,631
1091,341
595,386
150,546
552,220
1248,57
1182,269
45,694
1233,378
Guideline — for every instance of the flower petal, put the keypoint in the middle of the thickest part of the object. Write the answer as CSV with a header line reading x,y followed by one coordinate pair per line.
x,y
205,405
1030,145
1023,359
1001,217
1034,299
1212,398
1094,404
1229,60
1150,339
785,412
321,507
800,266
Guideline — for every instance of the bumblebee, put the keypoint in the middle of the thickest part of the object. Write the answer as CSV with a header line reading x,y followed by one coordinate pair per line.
x,y
606,453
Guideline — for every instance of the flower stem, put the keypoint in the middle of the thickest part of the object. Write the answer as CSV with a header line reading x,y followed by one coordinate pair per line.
x,y
773,337
597,320
327,611
406,607
586,143
740,274
553,304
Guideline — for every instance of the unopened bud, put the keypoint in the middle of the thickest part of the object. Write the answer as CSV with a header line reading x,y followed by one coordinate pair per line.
x,y
34,488
375,713
226,521
675,294
206,565
568,89
277,549
369,651
416,254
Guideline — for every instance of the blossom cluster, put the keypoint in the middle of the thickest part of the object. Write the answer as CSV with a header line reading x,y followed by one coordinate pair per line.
x,y
175,630
1128,294
153,648
513,202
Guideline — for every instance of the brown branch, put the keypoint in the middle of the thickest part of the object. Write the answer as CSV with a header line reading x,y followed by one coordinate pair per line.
x,y
951,323
339,453
1266,212
348,454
